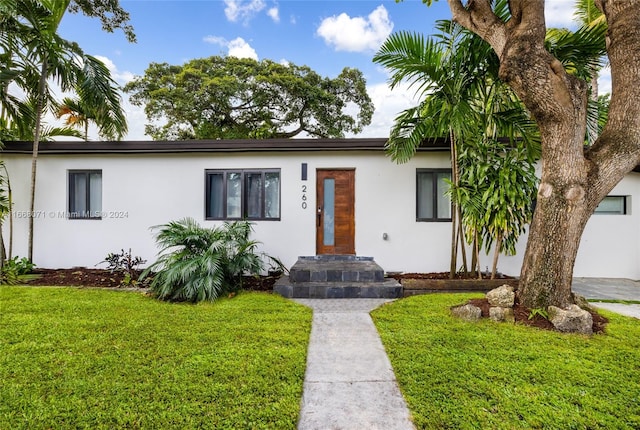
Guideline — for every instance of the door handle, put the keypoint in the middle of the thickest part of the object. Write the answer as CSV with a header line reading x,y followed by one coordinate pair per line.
x,y
319,216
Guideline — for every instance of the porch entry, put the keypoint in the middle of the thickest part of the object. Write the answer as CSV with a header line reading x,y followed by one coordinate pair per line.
x,y
335,223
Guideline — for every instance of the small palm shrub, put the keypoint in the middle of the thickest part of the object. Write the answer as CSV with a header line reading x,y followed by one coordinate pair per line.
x,y
198,263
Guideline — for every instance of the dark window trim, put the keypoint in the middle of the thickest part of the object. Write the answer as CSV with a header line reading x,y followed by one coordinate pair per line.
x,y
625,208
243,195
435,195
71,214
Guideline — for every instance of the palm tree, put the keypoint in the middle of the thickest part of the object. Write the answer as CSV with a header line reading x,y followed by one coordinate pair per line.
x,y
445,77
112,124
77,115
44,55
463,99
5,210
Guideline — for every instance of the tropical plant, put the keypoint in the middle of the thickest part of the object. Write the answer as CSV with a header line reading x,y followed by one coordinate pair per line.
x,y
126,264
112,124
35,53
6,205
443,77
16,271
464,100
573,180
496,190
197,263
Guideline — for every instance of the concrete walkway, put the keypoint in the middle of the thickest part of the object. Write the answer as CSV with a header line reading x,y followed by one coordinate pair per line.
x,y
349,382
610,289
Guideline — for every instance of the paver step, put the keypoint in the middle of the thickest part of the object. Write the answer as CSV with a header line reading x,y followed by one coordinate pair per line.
x,y
386,289
337,277
336,268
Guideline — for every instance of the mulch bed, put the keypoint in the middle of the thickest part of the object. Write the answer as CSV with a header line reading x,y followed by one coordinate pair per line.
x,y
102,278
78,277
521,315
445,275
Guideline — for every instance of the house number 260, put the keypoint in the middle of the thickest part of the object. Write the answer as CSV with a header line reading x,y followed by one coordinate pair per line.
x,y
304,197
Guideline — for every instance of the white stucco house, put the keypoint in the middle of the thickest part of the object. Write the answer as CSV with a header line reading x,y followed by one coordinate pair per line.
x,y
305,197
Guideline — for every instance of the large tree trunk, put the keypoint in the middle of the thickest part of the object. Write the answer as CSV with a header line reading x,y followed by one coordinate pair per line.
x,y
552,247
561,212
573,180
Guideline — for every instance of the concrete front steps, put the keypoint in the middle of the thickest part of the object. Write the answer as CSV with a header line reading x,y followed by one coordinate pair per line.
x,y
337,277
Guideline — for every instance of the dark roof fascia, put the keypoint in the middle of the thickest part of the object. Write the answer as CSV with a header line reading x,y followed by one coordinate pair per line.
x,y
212,146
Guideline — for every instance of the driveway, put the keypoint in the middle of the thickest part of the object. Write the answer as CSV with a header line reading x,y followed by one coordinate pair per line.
x,y
610,289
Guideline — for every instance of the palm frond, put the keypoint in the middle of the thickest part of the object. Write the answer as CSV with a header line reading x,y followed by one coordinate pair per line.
x,y
197,263
410,57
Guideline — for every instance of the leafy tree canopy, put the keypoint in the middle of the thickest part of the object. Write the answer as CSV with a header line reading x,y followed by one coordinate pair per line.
x,y
233,98
111,15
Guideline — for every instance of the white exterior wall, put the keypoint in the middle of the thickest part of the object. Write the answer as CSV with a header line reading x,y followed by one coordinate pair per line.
x,y
140,191
610,245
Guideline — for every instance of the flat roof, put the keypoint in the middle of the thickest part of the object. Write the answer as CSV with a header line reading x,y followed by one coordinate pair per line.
x,y
212,146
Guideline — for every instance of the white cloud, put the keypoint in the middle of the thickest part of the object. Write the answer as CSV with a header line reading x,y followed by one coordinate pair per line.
x,y
388,104
122,77
244,10
237,47
604,81
559,13
241,49
274,14
216,40
356,34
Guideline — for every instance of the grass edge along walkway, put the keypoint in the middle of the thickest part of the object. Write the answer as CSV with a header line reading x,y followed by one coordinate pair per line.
x,y
79,358
455,374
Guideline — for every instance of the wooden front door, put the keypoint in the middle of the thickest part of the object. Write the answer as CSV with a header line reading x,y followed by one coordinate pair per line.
x,y
335,223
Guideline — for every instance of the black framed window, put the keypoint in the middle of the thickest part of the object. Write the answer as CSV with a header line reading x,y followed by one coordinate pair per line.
x,y
612,205
432,204
85,194
242,194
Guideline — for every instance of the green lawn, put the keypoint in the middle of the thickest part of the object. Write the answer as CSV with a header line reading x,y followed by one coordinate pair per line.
x,y
73,358
488,375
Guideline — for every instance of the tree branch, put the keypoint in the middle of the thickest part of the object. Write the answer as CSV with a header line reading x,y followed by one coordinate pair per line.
x,y
618,147
479,18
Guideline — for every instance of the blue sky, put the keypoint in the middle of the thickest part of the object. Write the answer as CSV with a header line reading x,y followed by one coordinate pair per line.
x,y
324,35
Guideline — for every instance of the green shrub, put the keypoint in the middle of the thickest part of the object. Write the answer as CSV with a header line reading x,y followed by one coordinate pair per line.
x,y
21,266
198,263
17,271
124,263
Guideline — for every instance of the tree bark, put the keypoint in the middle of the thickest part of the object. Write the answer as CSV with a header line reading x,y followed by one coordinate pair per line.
x,y
496,255
34,156
462,241
573,181
454,209
476,244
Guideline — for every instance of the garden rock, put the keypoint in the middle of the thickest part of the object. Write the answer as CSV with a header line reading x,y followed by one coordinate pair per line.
x,y
497,313
582,302
467,312
503,297
571,320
